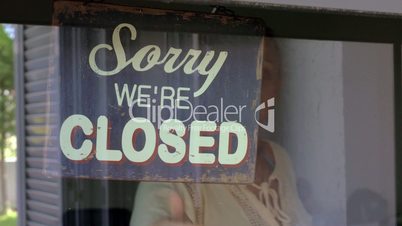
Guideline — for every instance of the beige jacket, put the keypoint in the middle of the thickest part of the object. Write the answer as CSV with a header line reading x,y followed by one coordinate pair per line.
x,y
231,205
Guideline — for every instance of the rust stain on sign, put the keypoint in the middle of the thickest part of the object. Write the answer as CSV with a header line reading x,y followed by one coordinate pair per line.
x,y
75,9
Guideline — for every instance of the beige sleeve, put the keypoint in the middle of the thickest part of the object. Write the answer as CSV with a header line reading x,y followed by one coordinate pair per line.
x,y
288,191
152,203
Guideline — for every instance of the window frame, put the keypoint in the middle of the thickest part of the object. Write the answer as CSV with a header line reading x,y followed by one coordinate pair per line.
x,y
334,25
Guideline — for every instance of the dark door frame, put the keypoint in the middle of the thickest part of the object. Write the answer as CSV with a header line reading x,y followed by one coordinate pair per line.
x,y
285,22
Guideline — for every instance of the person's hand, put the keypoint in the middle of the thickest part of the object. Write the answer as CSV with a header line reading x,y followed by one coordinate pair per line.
x,y
177,215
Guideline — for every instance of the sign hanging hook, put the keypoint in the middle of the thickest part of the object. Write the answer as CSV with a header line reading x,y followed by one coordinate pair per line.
x,y
217,9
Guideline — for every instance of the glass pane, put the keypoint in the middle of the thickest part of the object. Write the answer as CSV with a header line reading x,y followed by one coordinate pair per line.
x,y
336,122
329,162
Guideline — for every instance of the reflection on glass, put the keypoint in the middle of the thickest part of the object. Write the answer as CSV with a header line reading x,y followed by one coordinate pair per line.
x,y
330,161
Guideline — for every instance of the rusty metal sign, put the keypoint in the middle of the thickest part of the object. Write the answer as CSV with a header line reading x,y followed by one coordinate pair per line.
x,y
157,95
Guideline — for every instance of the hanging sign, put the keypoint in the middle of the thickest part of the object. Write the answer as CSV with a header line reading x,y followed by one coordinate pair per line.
x,y
157,95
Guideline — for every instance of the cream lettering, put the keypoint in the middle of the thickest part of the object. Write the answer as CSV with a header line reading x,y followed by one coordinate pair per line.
x,y
149,56
170,142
